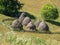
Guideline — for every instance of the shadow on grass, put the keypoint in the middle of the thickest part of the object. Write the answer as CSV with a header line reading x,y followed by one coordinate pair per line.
x,y
30,15
54,22
30,31
19,13
27,14
38,32
12,7
44,32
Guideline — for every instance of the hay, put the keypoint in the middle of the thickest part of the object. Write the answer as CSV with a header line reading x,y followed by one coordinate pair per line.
x,y
17,24
37,23
26,21
22,16
43,26
31,26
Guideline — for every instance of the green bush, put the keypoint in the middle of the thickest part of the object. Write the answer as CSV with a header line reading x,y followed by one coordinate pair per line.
x,y
49,12
2,8
10,7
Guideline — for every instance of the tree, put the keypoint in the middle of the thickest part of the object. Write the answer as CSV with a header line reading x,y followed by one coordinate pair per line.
x,y
9,7
49,12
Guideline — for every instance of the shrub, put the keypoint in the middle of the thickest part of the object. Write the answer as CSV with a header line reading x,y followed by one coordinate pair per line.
x,y
9,7
49,12
2,8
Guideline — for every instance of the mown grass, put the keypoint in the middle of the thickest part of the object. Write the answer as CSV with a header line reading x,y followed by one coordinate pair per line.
x,y
32,7
11,38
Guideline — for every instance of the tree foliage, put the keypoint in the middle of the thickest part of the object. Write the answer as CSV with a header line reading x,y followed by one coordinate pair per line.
x,y
49,12
9,6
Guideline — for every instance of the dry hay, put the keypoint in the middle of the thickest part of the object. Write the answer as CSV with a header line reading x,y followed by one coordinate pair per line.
x,y
43,26
26,21
31,26
22,16
17,24
37,23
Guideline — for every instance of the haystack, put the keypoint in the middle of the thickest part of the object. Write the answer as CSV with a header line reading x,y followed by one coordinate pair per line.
x,y
37,23
17,24
43,26
31,26
26,21
22,16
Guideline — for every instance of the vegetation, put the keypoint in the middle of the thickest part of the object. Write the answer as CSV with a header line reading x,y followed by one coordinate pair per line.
x,y
49,12
31,7
10,7
12,39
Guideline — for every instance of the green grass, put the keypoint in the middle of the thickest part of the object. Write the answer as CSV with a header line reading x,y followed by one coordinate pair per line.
x,y
7,36
33,7
11,38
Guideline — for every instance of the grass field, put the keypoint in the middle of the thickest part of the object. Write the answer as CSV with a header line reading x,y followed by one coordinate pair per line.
x,y
33,7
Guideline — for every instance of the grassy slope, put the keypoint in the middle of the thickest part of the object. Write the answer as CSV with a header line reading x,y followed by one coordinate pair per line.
x,y
33,7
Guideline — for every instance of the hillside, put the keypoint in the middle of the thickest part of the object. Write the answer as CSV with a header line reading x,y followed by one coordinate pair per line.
x,y
33,7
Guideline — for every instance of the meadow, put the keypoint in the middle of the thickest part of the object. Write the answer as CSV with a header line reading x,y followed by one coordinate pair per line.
x,y
33,8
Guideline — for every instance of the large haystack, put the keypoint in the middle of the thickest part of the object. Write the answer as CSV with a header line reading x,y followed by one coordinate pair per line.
x,y
31,26
22,16
43,26
17,24
26,21
37,23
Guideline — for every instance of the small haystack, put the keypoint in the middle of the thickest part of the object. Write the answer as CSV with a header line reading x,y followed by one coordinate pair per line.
x,y
43,26
26,21
17,24
31,26
37,23
22,16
